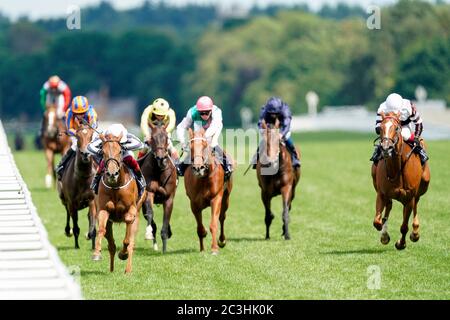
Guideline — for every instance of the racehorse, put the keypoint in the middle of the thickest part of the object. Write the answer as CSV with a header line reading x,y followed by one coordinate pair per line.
x,y
54,140
74,188
399,175
276,175
161,176
206,186
117,201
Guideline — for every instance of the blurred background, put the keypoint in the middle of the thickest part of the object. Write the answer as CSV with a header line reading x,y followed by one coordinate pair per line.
x,y
319,56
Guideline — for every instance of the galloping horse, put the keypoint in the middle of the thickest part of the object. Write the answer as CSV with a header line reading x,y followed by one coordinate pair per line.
x,y
74,188
117,201
400,176
206,186
276,175
54,140
161,176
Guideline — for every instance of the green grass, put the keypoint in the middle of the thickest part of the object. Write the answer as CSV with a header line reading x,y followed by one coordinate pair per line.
x,y
333,242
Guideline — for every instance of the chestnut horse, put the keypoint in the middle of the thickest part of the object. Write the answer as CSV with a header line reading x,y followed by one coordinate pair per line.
x,y
117,201
399,175
276,175
74,188
206,186
161,176
54,140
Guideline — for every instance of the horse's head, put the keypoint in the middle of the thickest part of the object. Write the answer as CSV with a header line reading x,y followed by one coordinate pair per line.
x,y
159,143
51,122
112,150
390,133
199,152
84,136
271,140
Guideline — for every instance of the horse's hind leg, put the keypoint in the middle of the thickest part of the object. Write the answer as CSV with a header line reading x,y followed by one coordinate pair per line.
x,y
222,217
76,228
414,236
111,245
166,233
385,238
92,213
147,210
128,242
216,204
50,171
269,215
407,208
68,231
286,196
380,204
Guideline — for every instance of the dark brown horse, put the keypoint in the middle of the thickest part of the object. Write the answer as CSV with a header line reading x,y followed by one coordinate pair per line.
x,y
54,140
276,175
398,175
206,186
74,188
117,201
161,176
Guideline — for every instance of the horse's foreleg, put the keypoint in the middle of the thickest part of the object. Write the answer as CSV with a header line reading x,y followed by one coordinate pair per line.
x,y
128,242
166,233
111,244
147,209
286,196
384,231
103,217
414,236
380,204
76,228
374,176
216,203
92,213
407,208
68,231
201,231
50,170
266,199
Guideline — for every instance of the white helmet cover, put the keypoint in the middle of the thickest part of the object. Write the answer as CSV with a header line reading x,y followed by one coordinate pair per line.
x,y
116,129
394,102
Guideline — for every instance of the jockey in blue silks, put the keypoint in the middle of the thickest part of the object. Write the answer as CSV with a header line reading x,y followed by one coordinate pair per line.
x,y
274,109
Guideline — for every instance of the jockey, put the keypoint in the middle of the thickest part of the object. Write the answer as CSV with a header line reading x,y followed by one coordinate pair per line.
x,y
274,109
129,143
159,111
55,92
409,117
208,116
79,112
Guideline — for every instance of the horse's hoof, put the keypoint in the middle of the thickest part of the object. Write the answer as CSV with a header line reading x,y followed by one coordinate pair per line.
x,y
96,257
378,225
123,256
385,239
149,233
215,252
414,237
155,247
48,181
222,243
69,234
399,245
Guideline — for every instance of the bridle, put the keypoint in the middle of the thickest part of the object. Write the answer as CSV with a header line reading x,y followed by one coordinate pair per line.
x,y
393,145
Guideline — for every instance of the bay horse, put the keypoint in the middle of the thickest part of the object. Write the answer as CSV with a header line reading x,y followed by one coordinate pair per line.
x,y
74,188
398,175
117,201
276,175
205,185
161,176
54,140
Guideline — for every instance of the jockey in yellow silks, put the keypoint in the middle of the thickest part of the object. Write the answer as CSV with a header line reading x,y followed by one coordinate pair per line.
x,y
159,111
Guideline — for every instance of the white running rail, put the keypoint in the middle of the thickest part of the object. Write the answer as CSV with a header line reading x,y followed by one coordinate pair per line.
x,y
30,267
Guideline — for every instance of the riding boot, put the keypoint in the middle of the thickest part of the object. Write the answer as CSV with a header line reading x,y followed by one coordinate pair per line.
x,y
96,180
291,148
422,153
376,154
60,168
140,181
181,168
226,163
